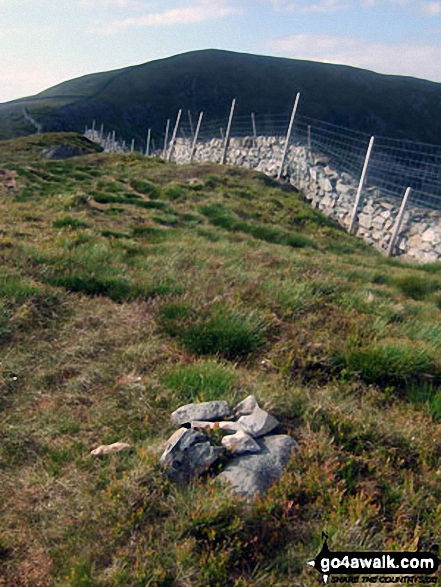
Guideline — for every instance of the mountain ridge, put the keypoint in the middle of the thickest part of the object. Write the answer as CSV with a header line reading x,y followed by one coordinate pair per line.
x,y
132,99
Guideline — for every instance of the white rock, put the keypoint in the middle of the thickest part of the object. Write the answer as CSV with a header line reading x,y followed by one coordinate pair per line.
x,y
240,443
246,406
258,423
230,427
107,449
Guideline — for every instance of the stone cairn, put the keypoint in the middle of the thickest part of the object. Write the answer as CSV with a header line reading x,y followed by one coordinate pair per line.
x,y
255,458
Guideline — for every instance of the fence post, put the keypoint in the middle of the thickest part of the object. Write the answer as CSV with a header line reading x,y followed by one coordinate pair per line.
x,y
253,122
175,132
227,136
113,141
167,130
195,139
93,130
102,132
360,187
147,149
309,138
288,135
132,146
398,223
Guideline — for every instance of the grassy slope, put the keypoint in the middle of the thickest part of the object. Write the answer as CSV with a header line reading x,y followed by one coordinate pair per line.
x,y
127,291
133,99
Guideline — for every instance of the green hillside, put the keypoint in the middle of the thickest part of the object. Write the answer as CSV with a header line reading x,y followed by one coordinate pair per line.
x,y
129,287
132,99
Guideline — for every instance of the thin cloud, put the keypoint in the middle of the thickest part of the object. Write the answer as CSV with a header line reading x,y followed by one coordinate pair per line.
x,y
306,7
114,3
195,14
431,8
417,60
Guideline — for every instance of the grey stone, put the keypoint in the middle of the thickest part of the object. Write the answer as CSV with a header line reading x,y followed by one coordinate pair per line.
x,y
188,454
431,235
325,184
230,427
211,411
365,220
246,406
258,423
240,443
343,188
253,474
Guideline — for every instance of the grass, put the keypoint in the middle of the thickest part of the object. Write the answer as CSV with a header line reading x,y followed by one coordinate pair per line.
x,y
110,320
204,380
220,330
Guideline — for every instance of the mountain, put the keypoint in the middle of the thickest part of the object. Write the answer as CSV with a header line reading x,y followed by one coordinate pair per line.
x,y
132,99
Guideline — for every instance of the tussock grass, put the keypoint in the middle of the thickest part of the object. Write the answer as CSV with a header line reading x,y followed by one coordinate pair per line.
x,y
204,380
107,328
220,330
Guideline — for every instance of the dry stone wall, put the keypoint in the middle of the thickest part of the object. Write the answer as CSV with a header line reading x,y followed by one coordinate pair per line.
x,y
331,192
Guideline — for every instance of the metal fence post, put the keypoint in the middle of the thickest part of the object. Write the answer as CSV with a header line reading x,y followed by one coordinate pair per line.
x,y
398,223
360,187
195,139
227,136
253,123
147,148
175,132
167,130
288,136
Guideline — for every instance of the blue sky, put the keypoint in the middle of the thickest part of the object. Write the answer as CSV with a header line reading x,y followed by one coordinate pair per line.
x,y
44,42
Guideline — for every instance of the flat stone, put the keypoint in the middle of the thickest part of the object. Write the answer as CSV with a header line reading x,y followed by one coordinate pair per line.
x,y
240,443
230,426
258,423
415,241
431,235
108,449
325,184
253,474
188,454
343,188
210,411
365,220
246,406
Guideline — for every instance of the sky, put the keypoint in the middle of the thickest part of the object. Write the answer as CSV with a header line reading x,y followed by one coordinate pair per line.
x,y
45,42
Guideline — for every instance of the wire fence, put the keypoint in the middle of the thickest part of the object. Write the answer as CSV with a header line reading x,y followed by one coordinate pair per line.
x,y
394,164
